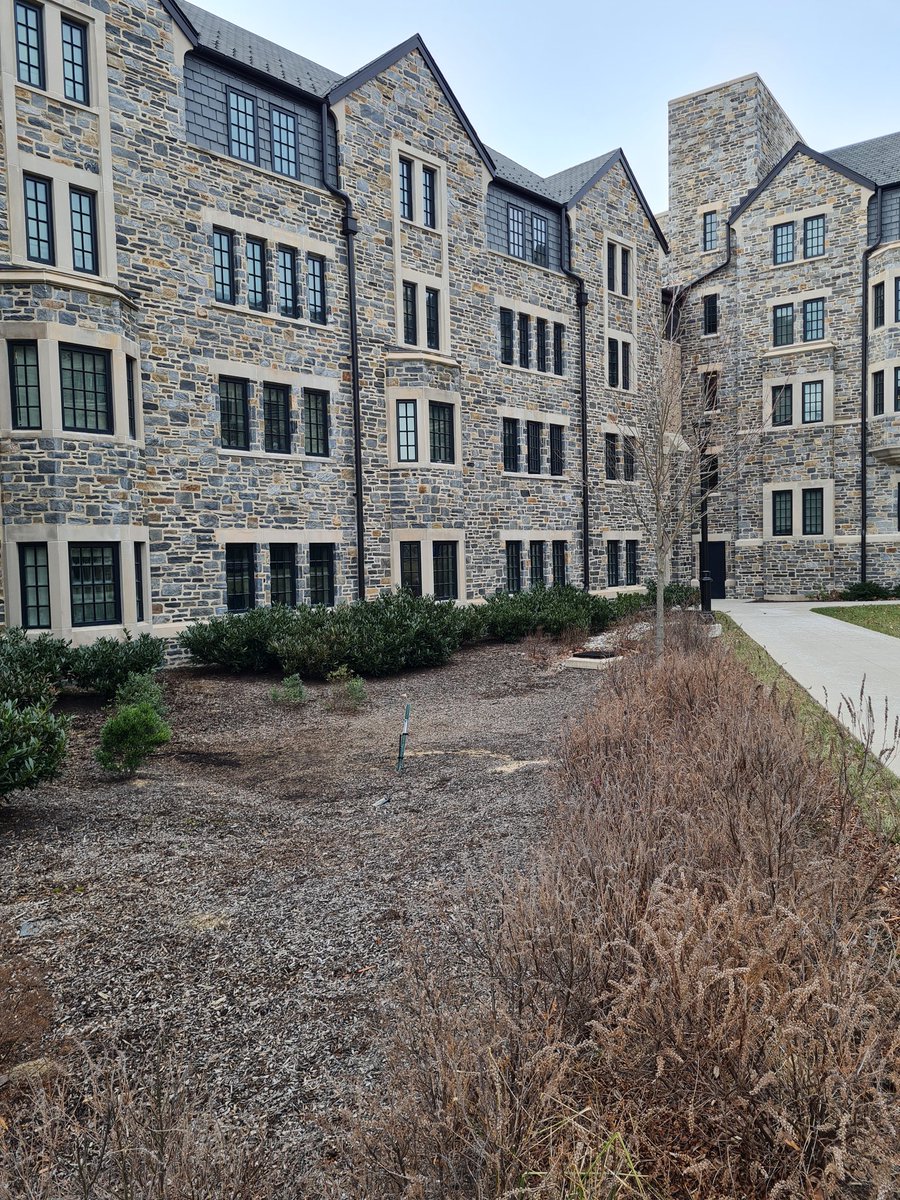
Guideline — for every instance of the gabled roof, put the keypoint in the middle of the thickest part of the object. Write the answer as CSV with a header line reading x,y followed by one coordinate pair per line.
x,y
879,158
799,148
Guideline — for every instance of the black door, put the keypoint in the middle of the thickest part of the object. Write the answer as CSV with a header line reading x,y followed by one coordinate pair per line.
x,y
716,560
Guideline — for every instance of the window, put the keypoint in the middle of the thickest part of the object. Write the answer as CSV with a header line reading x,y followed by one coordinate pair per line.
x,y
709,473
813,320
559,563
411,567
896,389
615,252
321,573
432,319
782,404
223,266
75,60
878,393
612,564
288,298
533,443
406,189
710,314
440,432
240,577
24,384
540,333
83,212
612,362
30,44
558,341
783,325
283,569
626,270
315,422
234,414
710,230
242,126
407,431
878,305
410,320
813,512
429,197
94,583
131,395
557,456
628,459
813,406
39,219
710,387
514,566
524,340
515,230
446,577
783,243
626,366
284,142
897,299
610,266
782,514
139,581
631,563
813,237
276,418
510,444
536,564
315,289
506,335
86,378
256,274
611,456
34,579
539,254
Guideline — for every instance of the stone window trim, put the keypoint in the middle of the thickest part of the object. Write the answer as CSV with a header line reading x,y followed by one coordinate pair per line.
x,y
890,278
426,539
54,80
890,366
424,283
720,210
796,381
534,313
48,336
57,539
628,339
619,244
798,300
796,489
419,159
622,536
256,376
702,298
422,397
523,416
262,539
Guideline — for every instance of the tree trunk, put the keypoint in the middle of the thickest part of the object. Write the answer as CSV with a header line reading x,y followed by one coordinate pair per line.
x,y
660,602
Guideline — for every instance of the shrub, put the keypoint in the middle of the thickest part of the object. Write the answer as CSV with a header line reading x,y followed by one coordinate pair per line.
x,y
680,594
348,691
238,641
290,691
32,745
106,664
32,669
129,737
868,591
140,689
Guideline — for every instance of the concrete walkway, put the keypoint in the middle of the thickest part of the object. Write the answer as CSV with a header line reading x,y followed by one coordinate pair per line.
x,y
829,658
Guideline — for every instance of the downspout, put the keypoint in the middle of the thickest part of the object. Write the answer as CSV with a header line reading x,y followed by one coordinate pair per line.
x,y
349,228
581,302
864,393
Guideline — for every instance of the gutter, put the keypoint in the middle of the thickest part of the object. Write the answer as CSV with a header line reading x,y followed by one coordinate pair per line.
x,y
581,301
864,396
349,228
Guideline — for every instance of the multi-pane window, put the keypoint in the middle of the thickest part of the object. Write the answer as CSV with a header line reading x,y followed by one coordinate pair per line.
x,y
709,473
813,237
407,431
878,393
626,366
813,320
878,305
710,388
446,574
139,581
288,297
612,362
406,189
710,230
283,569
783,243
429,197
86,379
234,414
896,389
24,384
514,566
410,320
34,579
611,266
782,404
240,577
557,452
284,141
440,432
515,230
75,60
321,573
813,511
242,126
39,219
711,314
631,562
782,514
510,444
506,335
83,213
626,270
256,274
613,554
411,567
30,44
540,335
559,332
315,289
611,456
223,266
276,418
315,422
524,340
539,253
559,563
94,584
783,325
628,459
432,319
897,299
536,576
813,397
533,441
131,395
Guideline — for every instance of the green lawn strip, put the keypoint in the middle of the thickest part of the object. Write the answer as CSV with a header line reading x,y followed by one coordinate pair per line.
x,y
877,789
883,618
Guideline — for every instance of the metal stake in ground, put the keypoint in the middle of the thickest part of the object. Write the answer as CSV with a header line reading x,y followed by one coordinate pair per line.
x,y
403,736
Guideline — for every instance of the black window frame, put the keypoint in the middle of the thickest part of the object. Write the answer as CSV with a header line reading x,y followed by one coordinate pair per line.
x,y
631,562
511,438
316,294
316,422
613,563
610,266
410,313
276,414
611,455
812,508
783,325
513,567
878,314
322,573
782,405
814,235
441,432
625,366
410,555
97,355
558,566
624,271
255,255
405,189
284,123
234,413
429,197
710,230
235,98
224,291
283,575
138,558
524,329
240,569
897,299
432,318
783,237
537,574
709,385
557,449
445,554
407,418
30,383
815,306
131,394
72,84
31,584
612,362
896,389
515,231
782,513
46,234
507,336
709,473
38,45
534,447
878,393
540,344
112,610
288,282
629,458
83,228
540,248
806,408
559,356
711,314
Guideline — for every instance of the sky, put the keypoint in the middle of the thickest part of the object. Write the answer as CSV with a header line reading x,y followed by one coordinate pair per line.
x,y
551,85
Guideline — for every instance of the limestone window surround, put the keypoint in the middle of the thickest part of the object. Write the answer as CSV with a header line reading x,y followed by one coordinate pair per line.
x,y
890,278
626,339
425,282
536,313
262,539
426,539
613,254
719,211
796,489
421,398
409,262
796,381
523,416
419,160
890,366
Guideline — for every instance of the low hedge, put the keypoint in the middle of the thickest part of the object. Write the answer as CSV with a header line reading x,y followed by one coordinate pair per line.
x,y
33,670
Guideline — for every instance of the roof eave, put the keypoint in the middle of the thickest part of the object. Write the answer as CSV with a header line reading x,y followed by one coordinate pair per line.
x,y
257,74
619,157
817,156
181,20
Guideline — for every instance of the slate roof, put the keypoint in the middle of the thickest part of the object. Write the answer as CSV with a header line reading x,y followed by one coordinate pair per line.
x,y
878,158
557,188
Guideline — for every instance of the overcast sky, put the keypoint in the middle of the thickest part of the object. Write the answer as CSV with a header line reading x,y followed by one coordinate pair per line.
x,y
552,84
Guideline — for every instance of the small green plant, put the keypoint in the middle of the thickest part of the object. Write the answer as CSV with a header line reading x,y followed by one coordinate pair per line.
x,y
348,691
32,745
129,737
32,669
289,691
104,665
140,689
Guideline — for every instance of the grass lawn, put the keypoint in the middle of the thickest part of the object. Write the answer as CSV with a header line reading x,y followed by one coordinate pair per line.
x,y
883,618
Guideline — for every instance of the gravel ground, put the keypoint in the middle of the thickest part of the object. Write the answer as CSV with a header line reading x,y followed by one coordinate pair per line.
x,y
245,895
